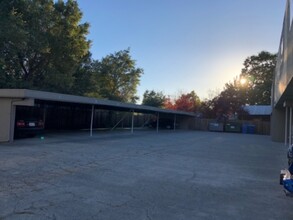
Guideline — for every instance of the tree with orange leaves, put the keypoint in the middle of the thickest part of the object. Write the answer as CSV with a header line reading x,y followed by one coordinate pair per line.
x,y
188,102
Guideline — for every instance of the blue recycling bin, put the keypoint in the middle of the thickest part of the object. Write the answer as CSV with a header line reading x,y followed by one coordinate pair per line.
x,y
244,128
251,129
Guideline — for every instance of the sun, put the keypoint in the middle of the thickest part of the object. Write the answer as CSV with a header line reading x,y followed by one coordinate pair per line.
x,y
243,81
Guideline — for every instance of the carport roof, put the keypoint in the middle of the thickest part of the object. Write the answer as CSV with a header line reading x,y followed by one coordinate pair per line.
x,y
65,98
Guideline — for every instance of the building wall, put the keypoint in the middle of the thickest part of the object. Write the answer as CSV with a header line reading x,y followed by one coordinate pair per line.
x,y
284,67
278,125
282,88
6,119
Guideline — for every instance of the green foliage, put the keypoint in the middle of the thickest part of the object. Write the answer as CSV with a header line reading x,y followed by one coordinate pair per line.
x,y
42,44
152,98
207,108
117,77
84,82
252,87
228,101
258,72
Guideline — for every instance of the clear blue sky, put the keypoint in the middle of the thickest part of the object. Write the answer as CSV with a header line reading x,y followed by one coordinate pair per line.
x,y
184,45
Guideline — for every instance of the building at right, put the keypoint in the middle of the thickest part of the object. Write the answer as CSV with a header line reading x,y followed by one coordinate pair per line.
x,y
282,88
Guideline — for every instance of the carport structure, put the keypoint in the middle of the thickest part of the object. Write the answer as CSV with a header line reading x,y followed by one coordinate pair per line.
x,y
11,98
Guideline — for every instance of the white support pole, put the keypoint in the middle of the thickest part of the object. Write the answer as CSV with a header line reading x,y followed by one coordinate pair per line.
x,y
290,127
286,126
92,121
158,119
132,121
174,122
44,115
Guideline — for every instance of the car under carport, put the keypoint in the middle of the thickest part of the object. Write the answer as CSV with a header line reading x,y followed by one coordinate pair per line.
x,y
10,99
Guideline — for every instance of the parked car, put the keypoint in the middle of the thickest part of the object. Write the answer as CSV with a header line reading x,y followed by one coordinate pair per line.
x,y
28,127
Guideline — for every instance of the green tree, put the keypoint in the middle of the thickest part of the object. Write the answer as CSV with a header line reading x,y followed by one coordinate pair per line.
x,y
152,98
42,44
206,108
84,82
229,101
251,87
257,77
117,77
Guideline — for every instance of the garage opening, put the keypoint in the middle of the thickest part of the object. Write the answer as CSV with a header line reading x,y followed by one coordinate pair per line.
x,y
51,117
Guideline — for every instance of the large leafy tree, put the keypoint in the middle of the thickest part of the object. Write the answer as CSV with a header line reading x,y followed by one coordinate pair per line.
x,y
117,77
207,108
153,98
189,102
257,77
42,44
251,87
169,104
229,101
84,82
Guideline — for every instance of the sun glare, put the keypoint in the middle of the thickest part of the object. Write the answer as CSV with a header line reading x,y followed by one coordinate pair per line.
x,y
242,81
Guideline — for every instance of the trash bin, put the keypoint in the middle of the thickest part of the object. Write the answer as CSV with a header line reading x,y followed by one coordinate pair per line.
x,y
216,126
244,128
251,129
232,127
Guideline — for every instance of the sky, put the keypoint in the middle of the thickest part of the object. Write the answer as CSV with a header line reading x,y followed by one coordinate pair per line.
x,y
184,45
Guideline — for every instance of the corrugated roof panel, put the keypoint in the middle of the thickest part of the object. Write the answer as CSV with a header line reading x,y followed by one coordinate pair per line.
x,y
58,97
258,109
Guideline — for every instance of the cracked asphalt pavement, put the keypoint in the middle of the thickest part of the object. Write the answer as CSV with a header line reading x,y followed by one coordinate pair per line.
x,y
146,175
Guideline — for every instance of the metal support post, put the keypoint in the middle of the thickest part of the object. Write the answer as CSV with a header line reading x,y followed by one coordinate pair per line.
x,y
132,121
158,119
92,121
174,122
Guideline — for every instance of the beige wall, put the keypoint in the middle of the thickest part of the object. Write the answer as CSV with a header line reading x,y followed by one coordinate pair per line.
x,y
7,112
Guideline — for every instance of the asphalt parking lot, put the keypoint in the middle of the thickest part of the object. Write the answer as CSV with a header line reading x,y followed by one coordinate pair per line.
x,y
170,175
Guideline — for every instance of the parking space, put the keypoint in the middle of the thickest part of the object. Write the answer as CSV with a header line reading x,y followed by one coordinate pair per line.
x,y
145,175
27,112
